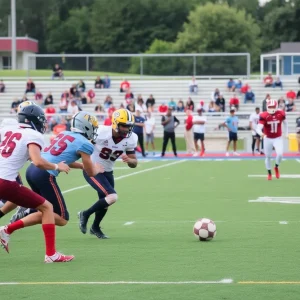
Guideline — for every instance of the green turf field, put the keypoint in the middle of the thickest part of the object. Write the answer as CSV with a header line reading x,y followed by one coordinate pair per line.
x,y
163,199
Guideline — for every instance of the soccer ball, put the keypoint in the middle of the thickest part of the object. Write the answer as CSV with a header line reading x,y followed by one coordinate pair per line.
x,y
205,229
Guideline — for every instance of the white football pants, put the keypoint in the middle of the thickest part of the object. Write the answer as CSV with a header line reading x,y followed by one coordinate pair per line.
x,y
277,143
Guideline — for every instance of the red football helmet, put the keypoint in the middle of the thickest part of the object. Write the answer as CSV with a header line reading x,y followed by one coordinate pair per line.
x,y
272,106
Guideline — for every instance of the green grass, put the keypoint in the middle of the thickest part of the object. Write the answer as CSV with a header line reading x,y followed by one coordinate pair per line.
x,y
250,245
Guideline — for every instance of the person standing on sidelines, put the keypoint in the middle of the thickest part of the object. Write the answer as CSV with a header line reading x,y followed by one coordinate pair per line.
x,y
138,129
231,124
253,121
199,131
149,128
188,134
169,122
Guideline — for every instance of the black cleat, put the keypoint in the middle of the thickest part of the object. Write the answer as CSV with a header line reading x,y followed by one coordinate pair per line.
x,y
98,233
82,222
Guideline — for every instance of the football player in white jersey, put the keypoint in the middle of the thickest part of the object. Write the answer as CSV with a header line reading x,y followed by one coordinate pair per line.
x,y
18,144
112,142
253,121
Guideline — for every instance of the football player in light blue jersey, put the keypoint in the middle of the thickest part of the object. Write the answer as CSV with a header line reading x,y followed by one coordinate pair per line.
x,y
68,146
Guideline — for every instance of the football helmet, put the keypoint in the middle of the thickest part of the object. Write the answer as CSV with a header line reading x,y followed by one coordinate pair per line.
x,y
34,116
123,117
86,124
272,106
25,103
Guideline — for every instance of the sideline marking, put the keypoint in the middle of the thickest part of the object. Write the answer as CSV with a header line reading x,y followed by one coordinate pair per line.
x,y
128,175
223,281
269,282
129,223
284,200
293,176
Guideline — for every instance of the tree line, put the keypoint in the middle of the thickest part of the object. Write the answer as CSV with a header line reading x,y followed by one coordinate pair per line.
x,y
156,26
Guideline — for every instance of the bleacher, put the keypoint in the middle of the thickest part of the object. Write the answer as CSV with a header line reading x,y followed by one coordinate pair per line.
x,y
163,91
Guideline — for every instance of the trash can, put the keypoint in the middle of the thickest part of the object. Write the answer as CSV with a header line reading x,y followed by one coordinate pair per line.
x,y
293,143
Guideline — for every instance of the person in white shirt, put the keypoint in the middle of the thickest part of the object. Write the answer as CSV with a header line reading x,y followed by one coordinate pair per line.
x,y
253,121
193,86
73,108
149,129
199,132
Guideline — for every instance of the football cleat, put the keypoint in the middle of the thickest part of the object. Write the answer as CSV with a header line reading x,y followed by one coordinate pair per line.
x,y
19,214
4,238
98,233
58,257
82,222
269,176
277,174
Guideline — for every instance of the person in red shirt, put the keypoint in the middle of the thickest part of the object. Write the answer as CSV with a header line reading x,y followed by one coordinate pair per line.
x,y
245,88
111,109
268,80
90,96
188,134
234,102
163,108
271,122
291,94
124,86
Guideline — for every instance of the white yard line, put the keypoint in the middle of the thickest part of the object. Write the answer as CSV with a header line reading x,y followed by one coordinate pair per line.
x,y
129,175
129,223
223,281
298,160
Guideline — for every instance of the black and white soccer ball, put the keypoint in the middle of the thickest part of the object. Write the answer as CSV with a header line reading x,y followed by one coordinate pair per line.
x,y
205,229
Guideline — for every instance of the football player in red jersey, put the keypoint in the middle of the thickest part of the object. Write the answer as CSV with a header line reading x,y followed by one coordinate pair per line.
x,y
271,121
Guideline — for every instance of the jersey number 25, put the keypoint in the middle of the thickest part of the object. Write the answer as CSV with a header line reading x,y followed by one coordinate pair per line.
x,y
60,144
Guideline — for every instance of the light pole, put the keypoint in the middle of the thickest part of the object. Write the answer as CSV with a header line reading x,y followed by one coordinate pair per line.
x,y
13,36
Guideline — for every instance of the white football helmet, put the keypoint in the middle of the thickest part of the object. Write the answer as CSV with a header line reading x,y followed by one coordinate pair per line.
x,y
272,106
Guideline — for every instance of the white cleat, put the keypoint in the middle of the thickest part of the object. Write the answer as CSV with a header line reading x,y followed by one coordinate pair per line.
x,y
236,154
58,257
195,154
4,238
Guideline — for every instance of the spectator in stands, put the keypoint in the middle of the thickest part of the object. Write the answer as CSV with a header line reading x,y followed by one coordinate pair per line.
x,y
2,86
268,80
39,97
24,98
91,96
193,85
190,104
220,103
290,105
73,91
107,102
99,109
215,95
65,94
49,99
63,105
212,106
264,102
201,106
249,96
107,121
129,95
281,103
188,133
30,87
57,72
163,108
139,97
58,128
14,106
298,95
130,106
180,106
150,101
106,82
73,108
291,95
124,86
277,83
244,89
238,86
172,104
81,86
234,102
140,106
230,85
99,84
149,129
49,110
169,123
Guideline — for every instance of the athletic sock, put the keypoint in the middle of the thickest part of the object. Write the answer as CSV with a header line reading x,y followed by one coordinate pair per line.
x,y
276,166
99,205
253,144
99,215
14,226
269,172
49,235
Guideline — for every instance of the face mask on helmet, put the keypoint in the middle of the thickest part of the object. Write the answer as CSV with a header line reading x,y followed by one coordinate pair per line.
x,y
272,106
125,130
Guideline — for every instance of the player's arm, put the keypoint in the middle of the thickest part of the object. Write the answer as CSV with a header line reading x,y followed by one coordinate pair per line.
x,y
130,159
260,126
36,158
165,121
176,121
89,167
76,165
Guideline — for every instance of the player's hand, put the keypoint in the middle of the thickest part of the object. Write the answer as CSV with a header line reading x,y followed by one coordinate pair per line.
x,y
99,168
125,158
262,136
62,167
